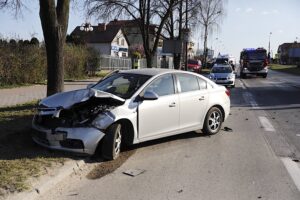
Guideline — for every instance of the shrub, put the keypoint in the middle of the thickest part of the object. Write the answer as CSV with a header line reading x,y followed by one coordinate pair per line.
x,y
22,64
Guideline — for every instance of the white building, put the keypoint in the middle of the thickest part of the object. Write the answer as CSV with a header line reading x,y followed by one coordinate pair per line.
x,y
107,40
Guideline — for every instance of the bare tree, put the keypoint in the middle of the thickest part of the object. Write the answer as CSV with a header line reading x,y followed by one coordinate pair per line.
x,y
178,21
143,11
210,13
54,16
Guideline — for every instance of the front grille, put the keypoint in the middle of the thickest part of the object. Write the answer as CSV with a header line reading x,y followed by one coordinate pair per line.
x,y
255,66
223,79
48,121
72,144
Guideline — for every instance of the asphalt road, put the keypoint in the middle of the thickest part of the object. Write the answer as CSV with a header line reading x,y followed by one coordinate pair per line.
x,y
254,161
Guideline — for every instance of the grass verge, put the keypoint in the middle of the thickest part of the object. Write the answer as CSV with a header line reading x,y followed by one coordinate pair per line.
x,y
290,69
20,158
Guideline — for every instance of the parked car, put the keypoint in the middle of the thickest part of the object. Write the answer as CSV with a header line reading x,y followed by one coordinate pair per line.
x,y
223,74
130,107
194,66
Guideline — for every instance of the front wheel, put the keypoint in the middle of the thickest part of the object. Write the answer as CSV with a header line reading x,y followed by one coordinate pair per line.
x,y
213,121
111,145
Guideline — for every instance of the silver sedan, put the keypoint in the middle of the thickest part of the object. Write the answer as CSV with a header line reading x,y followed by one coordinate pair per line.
x,y
130,107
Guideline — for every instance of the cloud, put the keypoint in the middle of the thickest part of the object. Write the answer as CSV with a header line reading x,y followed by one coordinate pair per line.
x,y
237,9
248,10
280,31
267,12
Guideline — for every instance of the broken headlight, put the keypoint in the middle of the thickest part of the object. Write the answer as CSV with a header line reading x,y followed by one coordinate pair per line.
x,y
103,120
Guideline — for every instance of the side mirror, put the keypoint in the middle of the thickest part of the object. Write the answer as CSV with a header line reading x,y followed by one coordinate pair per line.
x,y
90,85
149,95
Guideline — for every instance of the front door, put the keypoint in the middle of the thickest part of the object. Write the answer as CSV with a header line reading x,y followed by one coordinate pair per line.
x,y
161,116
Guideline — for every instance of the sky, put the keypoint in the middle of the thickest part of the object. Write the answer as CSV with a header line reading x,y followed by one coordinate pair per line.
x,y
247,24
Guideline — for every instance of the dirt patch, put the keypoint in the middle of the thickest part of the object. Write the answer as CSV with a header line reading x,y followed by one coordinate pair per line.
x,y
107,167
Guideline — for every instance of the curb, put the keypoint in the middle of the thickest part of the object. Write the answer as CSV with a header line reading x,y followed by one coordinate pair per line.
x,y
48,182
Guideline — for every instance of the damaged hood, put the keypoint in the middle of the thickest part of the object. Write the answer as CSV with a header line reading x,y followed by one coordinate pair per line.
x,y
68,99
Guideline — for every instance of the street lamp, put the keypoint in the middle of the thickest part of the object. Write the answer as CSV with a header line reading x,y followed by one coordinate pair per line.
x,y
87,27
269,45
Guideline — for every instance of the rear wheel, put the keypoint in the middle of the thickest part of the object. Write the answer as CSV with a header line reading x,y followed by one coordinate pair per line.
x,y
111,144
213,121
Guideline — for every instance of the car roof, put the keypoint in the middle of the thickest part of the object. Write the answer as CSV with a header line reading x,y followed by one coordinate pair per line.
x,y
149,71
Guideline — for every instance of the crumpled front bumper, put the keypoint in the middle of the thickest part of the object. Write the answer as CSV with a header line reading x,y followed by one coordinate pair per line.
x,y
83,140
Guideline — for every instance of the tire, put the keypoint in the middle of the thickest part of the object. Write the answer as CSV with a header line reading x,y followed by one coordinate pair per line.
x,y
111,143
264,76
233,86
242,75
213,115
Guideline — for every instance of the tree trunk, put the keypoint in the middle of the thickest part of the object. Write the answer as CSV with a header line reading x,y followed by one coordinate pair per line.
x,y
205,45
149,59
176,61
54,19
55,63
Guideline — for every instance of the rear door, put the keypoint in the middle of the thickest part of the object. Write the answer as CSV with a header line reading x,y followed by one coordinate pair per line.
x,y
193,99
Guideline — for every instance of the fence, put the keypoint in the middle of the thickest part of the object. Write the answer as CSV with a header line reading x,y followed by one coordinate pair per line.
x,y
114,63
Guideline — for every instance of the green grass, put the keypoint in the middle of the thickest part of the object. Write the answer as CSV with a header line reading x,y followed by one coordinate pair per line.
x,y
20,158
290,69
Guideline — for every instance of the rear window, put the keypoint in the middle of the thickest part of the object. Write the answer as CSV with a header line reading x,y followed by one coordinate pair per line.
x,y
193,62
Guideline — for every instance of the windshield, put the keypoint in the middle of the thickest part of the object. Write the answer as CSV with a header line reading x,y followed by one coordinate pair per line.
x,y
122,84
225,69
256,55
222,60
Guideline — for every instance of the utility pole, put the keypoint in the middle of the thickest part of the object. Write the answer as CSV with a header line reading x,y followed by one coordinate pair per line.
x,y
269,54
186,28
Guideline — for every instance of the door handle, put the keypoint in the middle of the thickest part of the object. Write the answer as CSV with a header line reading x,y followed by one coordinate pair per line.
x,y
172,105
201,98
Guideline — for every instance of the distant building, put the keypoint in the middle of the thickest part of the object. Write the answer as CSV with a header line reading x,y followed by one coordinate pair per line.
x,y
132,31
107,40
289,53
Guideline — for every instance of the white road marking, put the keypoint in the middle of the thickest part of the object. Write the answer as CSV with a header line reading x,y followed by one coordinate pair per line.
x,y
293,170
266,124
243,85
298,135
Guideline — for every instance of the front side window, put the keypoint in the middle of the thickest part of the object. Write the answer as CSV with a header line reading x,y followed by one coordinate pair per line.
x,y
188,82
122,84
202,84
162,86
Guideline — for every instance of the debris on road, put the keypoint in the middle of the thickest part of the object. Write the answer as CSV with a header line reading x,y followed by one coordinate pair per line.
x,y
246,119
227,129
180,191
134,172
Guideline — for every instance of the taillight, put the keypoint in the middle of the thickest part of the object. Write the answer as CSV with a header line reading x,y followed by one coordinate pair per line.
x,y
227,92
265,63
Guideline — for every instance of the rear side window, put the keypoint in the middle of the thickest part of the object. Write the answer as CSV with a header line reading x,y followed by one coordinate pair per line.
x,y
188,82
